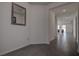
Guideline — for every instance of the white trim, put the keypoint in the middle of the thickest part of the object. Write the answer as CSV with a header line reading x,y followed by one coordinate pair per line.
x,y
40,42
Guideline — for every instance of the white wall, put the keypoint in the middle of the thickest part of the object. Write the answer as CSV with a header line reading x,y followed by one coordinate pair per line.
x,y
0,27
52,26
39,24
74,27
12,36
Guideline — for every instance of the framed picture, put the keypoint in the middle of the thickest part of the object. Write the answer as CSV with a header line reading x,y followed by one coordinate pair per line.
x,y
18,15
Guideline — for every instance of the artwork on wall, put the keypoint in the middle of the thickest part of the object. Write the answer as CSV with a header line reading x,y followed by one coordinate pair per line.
x,y
18,15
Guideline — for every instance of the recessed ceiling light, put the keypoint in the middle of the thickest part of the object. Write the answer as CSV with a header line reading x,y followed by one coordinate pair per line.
x,y
64,10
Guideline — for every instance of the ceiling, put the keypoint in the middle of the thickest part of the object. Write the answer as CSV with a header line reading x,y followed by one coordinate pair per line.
x,y
40,3
66,9
65,19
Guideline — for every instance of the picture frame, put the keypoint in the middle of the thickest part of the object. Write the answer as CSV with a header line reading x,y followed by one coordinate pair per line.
x,y
18,16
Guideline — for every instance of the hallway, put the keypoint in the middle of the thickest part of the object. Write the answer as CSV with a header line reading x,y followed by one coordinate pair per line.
x,y
63,46
66,43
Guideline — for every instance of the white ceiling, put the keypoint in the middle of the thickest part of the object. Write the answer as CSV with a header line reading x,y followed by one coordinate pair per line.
x,y
40,3
70,8
65,19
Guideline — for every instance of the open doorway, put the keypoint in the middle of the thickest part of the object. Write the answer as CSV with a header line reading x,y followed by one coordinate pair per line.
x,y
63,28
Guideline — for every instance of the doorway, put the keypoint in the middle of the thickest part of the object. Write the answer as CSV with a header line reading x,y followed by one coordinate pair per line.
x,y
65,28
65,38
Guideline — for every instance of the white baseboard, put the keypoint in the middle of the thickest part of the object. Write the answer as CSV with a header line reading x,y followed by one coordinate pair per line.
x,y
3,53
40,42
